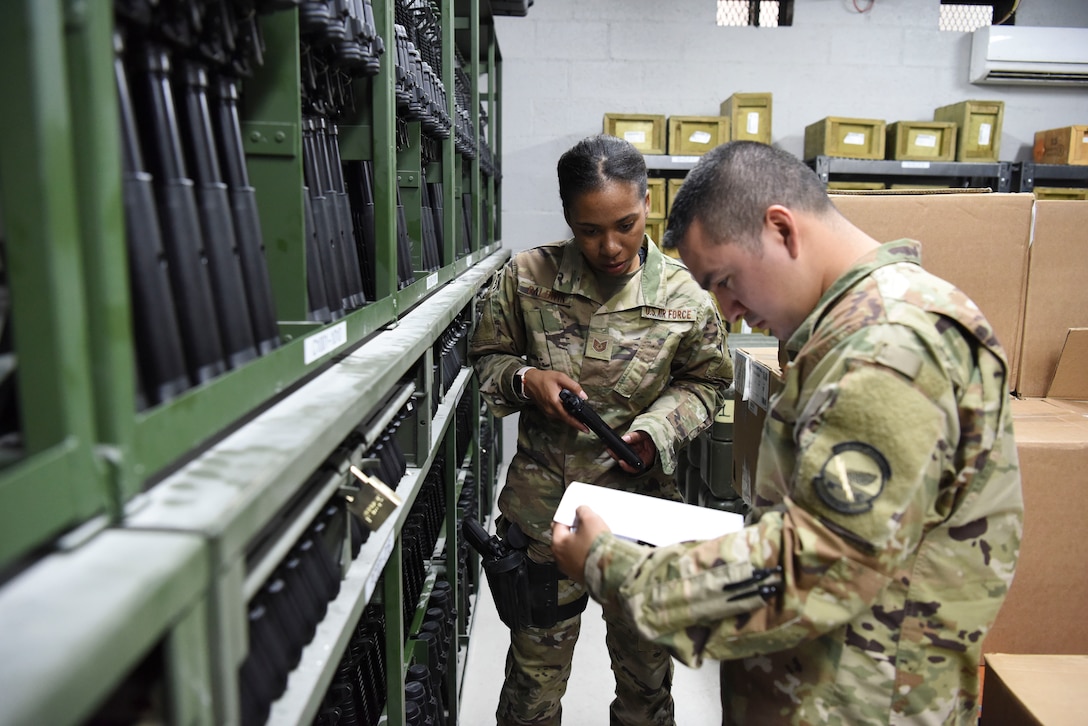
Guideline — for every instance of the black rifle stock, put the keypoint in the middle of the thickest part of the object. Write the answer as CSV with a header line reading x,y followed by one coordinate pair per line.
x,y
156,336
182,236
217,221
247,223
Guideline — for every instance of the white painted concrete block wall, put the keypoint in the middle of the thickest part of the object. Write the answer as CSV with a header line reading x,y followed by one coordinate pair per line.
x,y
571,61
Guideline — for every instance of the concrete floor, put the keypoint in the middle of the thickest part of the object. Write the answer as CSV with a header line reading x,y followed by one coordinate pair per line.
x,y
591,685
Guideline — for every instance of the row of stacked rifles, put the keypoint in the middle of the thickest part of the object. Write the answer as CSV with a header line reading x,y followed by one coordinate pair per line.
x,y
202,296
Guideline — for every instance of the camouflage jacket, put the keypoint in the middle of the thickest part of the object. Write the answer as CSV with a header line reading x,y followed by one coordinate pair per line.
x,y
650,358
887,524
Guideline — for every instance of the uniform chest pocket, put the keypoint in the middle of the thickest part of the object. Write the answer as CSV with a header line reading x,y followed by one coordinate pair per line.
x,y
649,368
537,354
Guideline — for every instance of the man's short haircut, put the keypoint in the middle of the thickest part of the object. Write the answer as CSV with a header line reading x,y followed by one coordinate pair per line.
x,y
595,161
731,187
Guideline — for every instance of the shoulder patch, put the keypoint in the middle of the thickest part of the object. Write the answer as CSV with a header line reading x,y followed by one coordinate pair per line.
x,y
542,293
852,478
668,313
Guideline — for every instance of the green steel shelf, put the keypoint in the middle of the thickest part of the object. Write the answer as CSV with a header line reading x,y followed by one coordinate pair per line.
x,y
57,481
233,490
309,681
79,621
168,509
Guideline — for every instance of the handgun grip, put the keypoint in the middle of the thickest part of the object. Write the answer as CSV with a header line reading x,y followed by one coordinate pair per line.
x,y
478,537
584,412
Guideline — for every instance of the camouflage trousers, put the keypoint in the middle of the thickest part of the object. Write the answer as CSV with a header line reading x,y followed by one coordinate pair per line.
x,y
538,666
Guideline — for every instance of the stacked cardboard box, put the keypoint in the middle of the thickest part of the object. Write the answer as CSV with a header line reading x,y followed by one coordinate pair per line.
x,y
1030,690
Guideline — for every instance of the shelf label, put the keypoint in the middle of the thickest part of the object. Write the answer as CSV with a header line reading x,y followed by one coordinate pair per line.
x,y
684,159
379,566
432,280
324,342
914,165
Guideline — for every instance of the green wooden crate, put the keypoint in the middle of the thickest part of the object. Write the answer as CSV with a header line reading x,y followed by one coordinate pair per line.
x,y
979,124
674,188
853,186
749,116
851,138
645,131
656,229
696,135
1060,193
922,141
656,187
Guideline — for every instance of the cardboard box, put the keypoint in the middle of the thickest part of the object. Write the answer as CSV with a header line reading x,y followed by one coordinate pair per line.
x,y
645,131
922,140
1057,291
1068,145
749,116
851,138
979,124
696,135
1044,609
757,378
978,242
1048,690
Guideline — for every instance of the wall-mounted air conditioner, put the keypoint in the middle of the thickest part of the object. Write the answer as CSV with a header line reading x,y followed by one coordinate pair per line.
x,y
1030,55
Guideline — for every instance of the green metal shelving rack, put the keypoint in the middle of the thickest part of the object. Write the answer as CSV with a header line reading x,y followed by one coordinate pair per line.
x,y
160,508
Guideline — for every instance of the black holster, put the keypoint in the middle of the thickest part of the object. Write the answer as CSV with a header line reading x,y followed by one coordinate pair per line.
x,y
526,592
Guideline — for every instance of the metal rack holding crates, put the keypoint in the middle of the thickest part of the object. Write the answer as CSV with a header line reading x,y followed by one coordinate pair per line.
x,y
1026,175
146,524
996,175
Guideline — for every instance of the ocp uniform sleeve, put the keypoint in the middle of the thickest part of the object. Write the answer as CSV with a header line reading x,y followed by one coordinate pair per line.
x,y
700,374
826,565
498,343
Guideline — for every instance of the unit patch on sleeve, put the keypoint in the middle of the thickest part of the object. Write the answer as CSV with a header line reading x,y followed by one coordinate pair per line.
x,y
852,478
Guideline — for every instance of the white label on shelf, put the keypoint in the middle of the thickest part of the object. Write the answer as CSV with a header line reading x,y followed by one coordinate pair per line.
x,y
929,140
984,134
1084,140
379,566
699,137
751,123
684,159
324,342
432,280
854,138
914,165
635,137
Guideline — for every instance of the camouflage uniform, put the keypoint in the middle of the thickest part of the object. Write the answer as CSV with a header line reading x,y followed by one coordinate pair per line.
x,y
887,520
650,357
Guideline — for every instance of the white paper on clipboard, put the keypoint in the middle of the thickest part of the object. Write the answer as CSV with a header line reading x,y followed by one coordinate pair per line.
x,y
646,519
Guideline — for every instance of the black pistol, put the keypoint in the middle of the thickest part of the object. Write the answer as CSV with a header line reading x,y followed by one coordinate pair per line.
x,y
582,411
